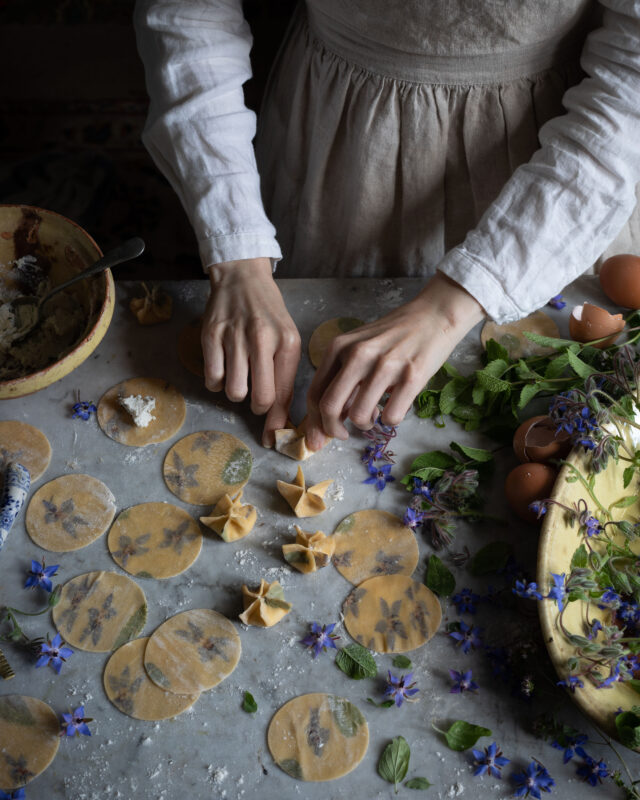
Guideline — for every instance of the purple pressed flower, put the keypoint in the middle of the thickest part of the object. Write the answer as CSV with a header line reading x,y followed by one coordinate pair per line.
x,y
592,771
400,689
571,682
412,518
40,576
53,653
380,476
572,746
593,527
16,794
527,590
467,637
465,601
422,488
532,781
83,410
490,762
321,638
75,723
557,592
462,682
557,302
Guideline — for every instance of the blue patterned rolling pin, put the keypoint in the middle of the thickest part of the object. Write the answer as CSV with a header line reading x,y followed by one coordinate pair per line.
x,y
16,485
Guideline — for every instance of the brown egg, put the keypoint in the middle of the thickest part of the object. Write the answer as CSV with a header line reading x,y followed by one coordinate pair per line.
x,y
536,440
526,483
620,280
588,322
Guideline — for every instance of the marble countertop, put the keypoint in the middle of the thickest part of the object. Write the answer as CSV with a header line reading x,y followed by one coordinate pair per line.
x,y
215,750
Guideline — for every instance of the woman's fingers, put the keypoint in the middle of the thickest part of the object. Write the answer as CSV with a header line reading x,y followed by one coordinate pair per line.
x,y
285,364
237,363
213,354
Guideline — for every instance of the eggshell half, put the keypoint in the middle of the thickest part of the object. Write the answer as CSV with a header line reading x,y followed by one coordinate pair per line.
x,y
536,440
589,322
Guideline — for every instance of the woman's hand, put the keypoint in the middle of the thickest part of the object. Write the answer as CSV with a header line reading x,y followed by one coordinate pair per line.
x,y
247,331
397,353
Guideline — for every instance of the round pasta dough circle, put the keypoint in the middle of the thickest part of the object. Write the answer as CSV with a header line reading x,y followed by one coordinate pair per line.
x,y
117,423
204,466
511,334
29,739
132,691
69,512
190,348
392,614
325,333
25,444
100,611
154,540
318,737
373,542
192,651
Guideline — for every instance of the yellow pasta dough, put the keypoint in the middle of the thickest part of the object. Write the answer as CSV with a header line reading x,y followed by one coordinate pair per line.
x,y
132,691
318,737
190,348
264,606
26,445
29,739
204,466
169,412
69,512
192,651
100,611
392,614
304,502
230,519
373,542
325,333
154,540
311,551
511,334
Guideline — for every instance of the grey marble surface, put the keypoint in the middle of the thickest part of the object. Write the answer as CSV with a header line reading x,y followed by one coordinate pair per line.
x,y
215,749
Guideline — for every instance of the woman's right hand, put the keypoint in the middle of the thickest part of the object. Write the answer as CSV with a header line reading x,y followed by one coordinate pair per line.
x,y
247,331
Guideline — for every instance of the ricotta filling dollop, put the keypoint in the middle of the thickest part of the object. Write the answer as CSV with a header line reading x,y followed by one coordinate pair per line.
x,y
140,408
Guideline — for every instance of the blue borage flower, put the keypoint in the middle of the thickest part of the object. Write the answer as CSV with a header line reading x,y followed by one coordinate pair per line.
x,y
40,576
75,724
380,476
422,488
538,508
413,518
592,771
321,638
557,302
592,527
527,590
609,599
53,654
571,745
571,682
596,626
373,452
462,682
16,794
490,762
558,591
533,780
83,410
467,637
465,601
400,689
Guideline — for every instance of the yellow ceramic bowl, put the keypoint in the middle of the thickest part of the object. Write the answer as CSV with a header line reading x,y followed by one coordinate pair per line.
x,y
68,249
558,542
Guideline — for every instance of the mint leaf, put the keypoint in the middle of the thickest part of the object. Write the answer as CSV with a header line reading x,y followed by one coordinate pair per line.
x,y
496,351
628,727
490,558
529,391
356,662
418,783
490,383
579,366
474,453
463,735
548,341
450,393
624,502
438,578
627,475
249,704
394,761
383,704
401,662
436,458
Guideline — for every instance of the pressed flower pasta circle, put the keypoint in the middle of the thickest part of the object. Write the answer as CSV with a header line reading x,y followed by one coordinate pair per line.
x,y
25,444
204,466
69,512
28,739
100,611
169,412
373,542
392,614
192,651
318,737
132,691
154,540
325,333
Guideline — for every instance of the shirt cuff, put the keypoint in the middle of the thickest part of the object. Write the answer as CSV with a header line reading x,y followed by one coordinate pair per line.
x,y
236,246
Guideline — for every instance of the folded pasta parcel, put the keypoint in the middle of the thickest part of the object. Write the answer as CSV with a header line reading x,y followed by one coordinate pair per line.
x,y
311,551
264,606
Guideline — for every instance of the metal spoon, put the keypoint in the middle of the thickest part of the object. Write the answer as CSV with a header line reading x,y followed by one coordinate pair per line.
x,y
27,310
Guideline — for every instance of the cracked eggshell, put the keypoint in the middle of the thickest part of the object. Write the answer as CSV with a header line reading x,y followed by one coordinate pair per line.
x,y
588,322
527,483
620,280
536,440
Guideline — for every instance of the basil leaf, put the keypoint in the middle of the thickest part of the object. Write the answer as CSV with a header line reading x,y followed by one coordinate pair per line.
x,y
463,735
490,558
438,578
474,453
356,662
394,761
249,704
401,662
417,783
628,727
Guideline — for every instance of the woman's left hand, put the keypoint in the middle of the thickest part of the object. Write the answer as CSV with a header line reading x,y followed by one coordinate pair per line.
x,y
397,354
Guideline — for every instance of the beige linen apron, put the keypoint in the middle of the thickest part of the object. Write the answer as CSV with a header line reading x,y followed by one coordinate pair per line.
x,y
389,126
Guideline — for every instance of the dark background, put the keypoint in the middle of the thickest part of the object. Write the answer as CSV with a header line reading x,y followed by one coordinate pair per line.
x,y
72,107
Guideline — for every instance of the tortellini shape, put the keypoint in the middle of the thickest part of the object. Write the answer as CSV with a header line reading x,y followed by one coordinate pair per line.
x,y
264,606
311,551
230,519
304,502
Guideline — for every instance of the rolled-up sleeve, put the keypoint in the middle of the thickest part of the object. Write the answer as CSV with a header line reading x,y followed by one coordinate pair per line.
x,y
199,131
558,213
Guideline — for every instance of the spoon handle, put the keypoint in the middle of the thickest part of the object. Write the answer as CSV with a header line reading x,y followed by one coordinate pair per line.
x,y
126,251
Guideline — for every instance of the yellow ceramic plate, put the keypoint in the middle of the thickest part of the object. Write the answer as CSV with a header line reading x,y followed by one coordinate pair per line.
x,y
558,542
